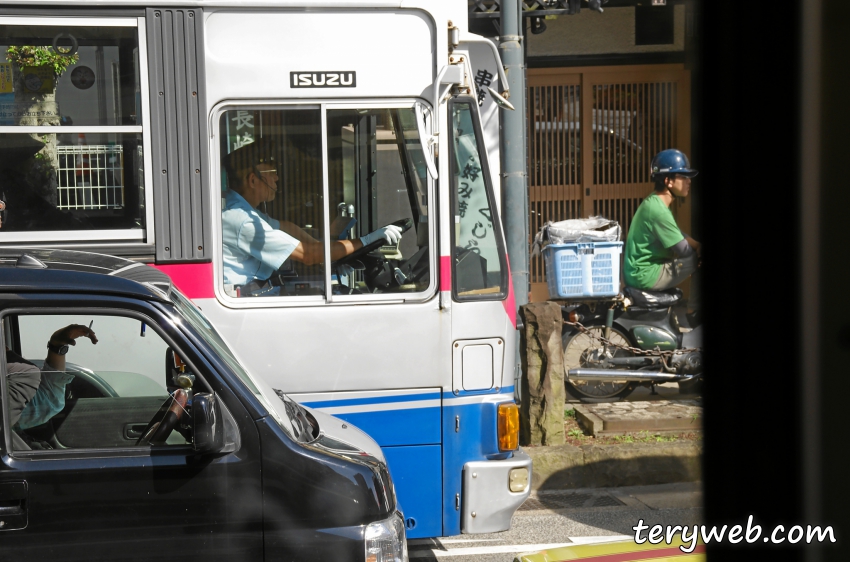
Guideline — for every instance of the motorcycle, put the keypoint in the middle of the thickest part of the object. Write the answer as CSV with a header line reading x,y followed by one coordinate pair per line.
x,y
638,338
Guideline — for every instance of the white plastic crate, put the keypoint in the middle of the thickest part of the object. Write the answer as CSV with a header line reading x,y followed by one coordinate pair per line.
x,y
583,269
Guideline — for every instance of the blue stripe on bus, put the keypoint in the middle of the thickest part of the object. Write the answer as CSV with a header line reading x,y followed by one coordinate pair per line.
x,y
372,400
417,476
416,426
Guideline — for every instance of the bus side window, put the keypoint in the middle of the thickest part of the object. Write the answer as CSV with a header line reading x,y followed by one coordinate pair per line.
x,y
79,166
479,269
271,203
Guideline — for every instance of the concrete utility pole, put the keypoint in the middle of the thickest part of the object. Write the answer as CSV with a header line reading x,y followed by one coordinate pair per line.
x,y
513,155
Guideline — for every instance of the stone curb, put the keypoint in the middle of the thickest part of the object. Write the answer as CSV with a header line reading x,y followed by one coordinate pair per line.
x,y
608,466
589,420
621,423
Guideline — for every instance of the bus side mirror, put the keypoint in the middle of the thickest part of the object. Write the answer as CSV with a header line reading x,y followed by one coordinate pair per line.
x,y
500,100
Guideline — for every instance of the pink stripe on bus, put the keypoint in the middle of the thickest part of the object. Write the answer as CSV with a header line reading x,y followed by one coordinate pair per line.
x,y
195,280
445,273
510,302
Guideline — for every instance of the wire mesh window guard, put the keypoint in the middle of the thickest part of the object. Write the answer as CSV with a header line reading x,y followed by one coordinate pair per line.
x,y
90,177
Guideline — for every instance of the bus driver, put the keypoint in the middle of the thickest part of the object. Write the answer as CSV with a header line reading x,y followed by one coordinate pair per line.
x,y
256,245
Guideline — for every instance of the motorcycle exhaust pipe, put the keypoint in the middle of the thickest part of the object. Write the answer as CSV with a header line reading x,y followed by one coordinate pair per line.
x,y
607,375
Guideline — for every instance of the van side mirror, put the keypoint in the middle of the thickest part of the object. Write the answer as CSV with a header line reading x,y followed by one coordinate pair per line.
x,y
215,430
209,425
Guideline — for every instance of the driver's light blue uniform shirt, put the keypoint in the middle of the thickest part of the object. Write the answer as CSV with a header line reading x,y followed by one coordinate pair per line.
x,y
48,401
254,245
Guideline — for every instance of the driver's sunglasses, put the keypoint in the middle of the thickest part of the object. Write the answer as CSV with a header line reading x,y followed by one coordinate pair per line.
x,y
260,173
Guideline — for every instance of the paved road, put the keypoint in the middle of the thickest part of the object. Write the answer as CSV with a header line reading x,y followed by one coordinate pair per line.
x,y
557,518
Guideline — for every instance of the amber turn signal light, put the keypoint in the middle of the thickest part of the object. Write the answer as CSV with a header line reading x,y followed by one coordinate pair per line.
x,y
508,421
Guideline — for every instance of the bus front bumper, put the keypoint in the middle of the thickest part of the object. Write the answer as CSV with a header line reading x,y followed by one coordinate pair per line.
x,y
492,492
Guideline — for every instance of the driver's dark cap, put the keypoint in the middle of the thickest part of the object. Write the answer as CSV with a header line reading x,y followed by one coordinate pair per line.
x,y
261,151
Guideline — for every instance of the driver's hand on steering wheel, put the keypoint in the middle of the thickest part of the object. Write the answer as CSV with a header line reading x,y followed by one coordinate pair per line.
x,y
390,233
345,270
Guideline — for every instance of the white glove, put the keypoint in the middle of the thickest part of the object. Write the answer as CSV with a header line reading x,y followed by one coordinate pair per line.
x,y
345,270
390,233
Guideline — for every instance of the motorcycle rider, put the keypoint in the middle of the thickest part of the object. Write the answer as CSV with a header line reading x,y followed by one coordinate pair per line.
x,y
658,255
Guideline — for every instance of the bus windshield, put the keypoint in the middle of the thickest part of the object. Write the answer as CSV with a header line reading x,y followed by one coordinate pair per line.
x,y
279,212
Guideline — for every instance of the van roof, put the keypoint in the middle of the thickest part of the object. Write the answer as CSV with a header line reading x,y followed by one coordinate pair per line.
x,y
47,270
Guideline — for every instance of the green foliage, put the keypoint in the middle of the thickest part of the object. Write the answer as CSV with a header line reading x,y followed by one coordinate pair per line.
x,y
28,55
575,433
569,414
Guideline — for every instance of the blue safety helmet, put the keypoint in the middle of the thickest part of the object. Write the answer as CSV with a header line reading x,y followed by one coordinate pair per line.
x,y
671,161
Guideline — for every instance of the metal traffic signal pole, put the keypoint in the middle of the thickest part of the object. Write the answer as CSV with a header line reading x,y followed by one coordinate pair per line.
x,y
513,157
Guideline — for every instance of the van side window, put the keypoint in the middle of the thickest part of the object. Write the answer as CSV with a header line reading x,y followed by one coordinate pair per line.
x,y
128,389
479,269
79,165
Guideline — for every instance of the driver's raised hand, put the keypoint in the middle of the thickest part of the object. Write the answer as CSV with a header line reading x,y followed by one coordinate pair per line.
x,y
390,233
67,335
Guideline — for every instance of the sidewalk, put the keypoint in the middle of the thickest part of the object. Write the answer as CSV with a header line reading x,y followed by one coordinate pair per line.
x,y
629,443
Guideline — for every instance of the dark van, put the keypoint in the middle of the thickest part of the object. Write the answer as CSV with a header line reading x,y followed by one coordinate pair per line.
x,y
150,441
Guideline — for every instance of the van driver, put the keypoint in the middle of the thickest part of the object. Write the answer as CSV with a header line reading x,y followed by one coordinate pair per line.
x,y
36,395
256,245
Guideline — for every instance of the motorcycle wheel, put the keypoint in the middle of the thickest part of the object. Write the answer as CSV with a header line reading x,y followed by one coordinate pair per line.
x,y
577,348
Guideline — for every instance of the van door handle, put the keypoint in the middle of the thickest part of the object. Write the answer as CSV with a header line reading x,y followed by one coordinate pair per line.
x,y
133,431
13,505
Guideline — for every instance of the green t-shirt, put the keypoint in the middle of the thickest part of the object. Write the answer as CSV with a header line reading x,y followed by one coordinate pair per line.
x,y
652,235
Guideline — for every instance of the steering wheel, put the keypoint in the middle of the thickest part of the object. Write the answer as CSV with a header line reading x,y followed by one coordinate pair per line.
x,y
165,419
404,224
